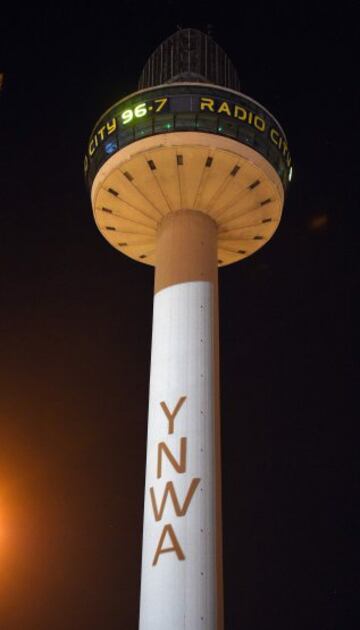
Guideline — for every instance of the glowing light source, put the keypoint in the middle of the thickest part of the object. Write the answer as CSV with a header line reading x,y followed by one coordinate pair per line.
x,y
110,146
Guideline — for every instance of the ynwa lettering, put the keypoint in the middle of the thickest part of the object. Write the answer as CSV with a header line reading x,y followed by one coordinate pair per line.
x,y
168,541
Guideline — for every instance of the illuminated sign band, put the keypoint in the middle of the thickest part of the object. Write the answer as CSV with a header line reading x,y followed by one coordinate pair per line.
x,y
188,108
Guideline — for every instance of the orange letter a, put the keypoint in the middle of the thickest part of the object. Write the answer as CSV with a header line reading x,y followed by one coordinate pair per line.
x,y
175,544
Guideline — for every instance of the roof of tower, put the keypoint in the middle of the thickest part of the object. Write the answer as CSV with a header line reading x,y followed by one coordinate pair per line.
x,y
190,56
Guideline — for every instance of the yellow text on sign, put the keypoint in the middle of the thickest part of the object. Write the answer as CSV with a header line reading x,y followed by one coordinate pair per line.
x,y
233,110
102,133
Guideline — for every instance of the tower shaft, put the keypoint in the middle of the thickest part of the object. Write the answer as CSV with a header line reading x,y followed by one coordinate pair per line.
x,y
181,584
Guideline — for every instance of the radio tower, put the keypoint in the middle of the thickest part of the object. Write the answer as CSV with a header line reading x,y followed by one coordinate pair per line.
x,y
186,174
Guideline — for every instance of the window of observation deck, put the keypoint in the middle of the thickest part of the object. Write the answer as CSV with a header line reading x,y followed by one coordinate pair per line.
x,y
206,123
185,121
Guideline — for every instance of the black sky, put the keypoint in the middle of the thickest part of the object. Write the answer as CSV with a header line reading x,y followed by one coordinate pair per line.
x,y
75,325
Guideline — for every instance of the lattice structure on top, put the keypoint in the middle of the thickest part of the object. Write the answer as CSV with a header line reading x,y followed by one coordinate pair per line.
x,y
192,56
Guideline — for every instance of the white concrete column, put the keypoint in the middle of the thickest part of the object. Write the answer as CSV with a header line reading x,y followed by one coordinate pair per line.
x,y
181,580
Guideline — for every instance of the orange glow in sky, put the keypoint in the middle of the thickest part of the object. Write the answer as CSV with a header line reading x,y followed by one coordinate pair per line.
x,y
7,529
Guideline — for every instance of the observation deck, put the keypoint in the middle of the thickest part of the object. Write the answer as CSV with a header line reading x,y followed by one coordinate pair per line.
x,y
188,144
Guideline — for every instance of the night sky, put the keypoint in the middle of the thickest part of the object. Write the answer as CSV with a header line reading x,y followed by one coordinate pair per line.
x,y
75,324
